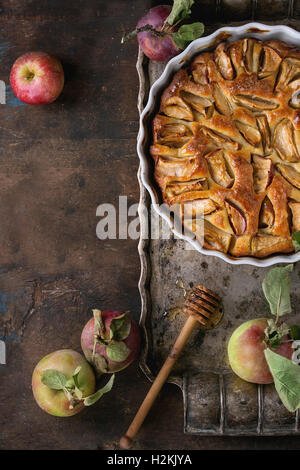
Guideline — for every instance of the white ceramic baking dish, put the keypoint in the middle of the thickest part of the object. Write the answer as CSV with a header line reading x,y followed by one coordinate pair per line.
x,y
257,30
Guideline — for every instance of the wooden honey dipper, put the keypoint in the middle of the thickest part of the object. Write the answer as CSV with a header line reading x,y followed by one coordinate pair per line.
x,y
200,306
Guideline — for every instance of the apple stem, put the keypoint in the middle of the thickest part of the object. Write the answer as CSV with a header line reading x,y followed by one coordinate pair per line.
x,y
136,31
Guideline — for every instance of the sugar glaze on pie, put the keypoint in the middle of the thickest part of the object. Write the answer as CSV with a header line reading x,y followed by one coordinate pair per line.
x,y
227,140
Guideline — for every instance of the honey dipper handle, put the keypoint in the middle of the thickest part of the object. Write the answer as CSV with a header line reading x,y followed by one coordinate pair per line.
x,y
158,383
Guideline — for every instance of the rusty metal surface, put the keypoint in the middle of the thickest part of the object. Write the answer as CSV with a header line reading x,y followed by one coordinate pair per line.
x,y
216,402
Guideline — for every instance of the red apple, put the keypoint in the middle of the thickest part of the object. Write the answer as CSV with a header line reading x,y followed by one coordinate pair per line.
x,y
157,48
110,341
246,352
55,402
37,78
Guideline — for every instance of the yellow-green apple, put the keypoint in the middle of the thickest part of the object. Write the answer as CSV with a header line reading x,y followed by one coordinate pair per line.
x,y
37,78
61,402
246,351
110,340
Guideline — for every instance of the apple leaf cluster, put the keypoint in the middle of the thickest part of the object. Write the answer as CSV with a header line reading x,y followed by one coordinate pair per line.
x,y
58,381
286,374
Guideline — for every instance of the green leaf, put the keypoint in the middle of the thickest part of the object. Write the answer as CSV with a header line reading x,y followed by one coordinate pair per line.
x,y
88,401
181,10
120,327
117,351
286,376
187,33
276,287
54,379
295,332
296,240
276,334
75,377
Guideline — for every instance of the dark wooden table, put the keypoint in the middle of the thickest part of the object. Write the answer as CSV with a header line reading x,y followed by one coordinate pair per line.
x,y
57,164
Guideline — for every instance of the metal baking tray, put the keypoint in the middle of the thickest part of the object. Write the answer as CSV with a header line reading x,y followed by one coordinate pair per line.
x,y
216,401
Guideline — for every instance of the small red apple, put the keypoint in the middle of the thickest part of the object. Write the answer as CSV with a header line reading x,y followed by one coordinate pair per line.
x,y
37,78
159,49
110,341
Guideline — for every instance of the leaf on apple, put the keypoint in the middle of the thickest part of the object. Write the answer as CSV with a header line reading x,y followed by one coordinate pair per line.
x,y
286,375
88,401
276,287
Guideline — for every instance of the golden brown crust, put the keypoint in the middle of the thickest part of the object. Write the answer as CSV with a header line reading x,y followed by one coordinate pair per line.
x,y
227,137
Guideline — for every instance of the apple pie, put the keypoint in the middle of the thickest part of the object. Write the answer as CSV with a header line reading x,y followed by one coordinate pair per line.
x,y
226,143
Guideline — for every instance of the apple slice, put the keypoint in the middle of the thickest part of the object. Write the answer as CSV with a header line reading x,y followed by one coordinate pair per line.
x,y
222,104
295,100
220,139
177,108
270,62
251,55
223,62
211,237
289,72
236,217
199,103
215,239
295,208
263,126
251,134
284,141
267,215
197,208
218,169
255,103
176,188
290,174
263,172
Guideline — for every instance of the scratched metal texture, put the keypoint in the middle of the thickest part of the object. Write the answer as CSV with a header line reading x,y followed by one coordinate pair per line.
x,y
216,401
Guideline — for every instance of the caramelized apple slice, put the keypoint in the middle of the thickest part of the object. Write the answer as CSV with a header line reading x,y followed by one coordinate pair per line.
x,y
265,132
221,102
171,132
270,62
284,141
215,239
218,169
220,140
180,187
211,237
197,208
251,134
236,217
289,72
199,72
263,172
295,208
175,107
290,174
251,55
197,102
254,103
295,100
264,245
267,215
223,62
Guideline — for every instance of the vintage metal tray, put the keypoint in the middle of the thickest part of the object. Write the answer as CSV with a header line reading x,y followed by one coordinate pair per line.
x,y
216,402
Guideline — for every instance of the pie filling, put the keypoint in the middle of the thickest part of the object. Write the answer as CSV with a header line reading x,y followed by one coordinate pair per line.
x,y
226,146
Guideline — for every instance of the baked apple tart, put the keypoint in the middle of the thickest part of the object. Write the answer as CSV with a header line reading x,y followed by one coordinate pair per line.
x,y
226,142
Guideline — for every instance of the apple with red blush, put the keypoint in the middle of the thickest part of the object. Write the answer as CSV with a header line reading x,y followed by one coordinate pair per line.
x,y
246,351
110,340
37,78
